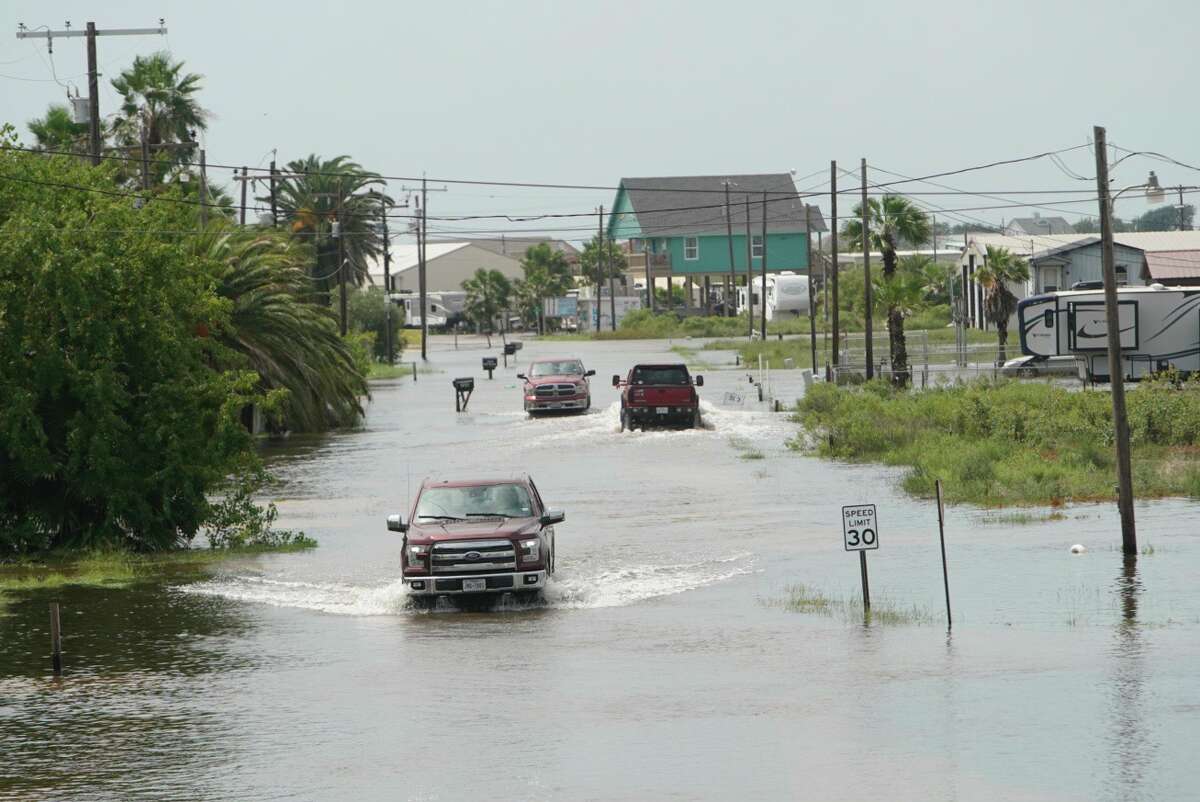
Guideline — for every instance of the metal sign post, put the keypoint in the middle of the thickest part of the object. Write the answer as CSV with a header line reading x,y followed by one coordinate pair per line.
x,y
860,532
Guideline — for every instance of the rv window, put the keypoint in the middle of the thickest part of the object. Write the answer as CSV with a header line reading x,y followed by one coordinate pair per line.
x,y
1049,318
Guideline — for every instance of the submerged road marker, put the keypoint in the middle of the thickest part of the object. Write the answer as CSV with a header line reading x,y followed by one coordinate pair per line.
x,y
942,537
860,532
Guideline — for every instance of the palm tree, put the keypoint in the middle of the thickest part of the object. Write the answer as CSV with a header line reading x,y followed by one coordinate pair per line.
x,y
159,100
891,220
59,131
547,275
291,343
599,263
902,294
309,198
1000,268
487,297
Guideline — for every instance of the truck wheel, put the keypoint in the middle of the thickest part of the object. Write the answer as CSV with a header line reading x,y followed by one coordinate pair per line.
x,y
526,596
696,419
423,602
624,420
1027,373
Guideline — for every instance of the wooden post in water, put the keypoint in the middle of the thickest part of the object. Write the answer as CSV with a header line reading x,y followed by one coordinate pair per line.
x,y
414,371
942,538
862,564
55,640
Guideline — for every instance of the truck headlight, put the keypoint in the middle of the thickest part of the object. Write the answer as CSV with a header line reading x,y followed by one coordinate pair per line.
x,y
416,556
531,550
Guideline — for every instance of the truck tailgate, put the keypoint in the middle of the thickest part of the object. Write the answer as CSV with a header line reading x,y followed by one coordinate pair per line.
x,y
661,396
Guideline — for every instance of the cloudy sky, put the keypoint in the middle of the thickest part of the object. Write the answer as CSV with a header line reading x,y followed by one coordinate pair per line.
x,y
585,93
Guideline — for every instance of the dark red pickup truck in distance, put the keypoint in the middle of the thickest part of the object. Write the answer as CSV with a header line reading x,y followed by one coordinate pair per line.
x,y
487,536
659,395
556,385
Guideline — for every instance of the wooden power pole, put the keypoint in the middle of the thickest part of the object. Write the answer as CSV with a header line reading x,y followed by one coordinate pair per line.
x,y
731,285
833,266
762,295
866,246
91,32
1116,372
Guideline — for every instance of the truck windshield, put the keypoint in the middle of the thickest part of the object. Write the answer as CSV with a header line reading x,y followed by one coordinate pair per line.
x,y
505,500
567,367
668,374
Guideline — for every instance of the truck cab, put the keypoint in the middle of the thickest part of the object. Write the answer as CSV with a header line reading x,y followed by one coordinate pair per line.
x,y
487,536
659,395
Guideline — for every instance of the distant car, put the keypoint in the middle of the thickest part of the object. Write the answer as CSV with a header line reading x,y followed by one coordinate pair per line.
x,y
485,536
556,385
1027,367
659,395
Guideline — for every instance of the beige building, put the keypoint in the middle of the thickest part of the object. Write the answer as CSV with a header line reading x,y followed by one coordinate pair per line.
x,y
447,266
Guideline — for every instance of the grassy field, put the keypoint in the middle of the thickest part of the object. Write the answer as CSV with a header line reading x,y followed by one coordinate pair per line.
x,y
1011,443
804,599
116,569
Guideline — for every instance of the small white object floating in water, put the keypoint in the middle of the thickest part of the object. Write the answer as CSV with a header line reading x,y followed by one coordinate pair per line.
x,y
1078,548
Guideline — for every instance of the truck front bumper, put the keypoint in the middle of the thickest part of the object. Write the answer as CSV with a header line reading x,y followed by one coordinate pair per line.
x,y
556,404
492,583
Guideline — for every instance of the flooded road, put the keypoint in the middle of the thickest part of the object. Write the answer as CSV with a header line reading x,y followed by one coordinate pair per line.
x,y
663,663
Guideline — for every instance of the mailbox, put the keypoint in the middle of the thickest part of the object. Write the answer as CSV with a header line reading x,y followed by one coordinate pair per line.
x,y
489,363
510,348
464,385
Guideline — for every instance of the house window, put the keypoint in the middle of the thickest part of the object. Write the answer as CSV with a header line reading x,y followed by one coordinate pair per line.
x,y
691,248
756,246
1122,275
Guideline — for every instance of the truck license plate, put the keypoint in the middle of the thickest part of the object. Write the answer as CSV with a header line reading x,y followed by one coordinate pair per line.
x,y
662,410
474,585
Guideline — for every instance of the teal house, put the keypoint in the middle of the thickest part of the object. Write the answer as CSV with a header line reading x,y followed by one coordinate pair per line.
x,y
683,225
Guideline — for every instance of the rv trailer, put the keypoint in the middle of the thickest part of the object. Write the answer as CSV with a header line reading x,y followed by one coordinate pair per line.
x,y
787,295
1160,328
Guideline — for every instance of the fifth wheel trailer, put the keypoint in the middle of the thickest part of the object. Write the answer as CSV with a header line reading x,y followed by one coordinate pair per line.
x,y
787,295
1159,326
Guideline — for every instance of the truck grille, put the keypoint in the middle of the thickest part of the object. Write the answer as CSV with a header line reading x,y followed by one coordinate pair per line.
x,y
554,390
474,556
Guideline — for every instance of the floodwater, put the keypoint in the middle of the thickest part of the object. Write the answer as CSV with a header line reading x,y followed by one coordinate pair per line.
x,y
661,664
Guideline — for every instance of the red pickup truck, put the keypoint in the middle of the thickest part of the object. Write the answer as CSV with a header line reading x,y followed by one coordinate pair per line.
x,y
486,536
556,385
656,395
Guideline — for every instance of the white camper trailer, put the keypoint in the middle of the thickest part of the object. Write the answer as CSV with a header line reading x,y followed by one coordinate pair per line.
x,y
1160,328
441,308
787,295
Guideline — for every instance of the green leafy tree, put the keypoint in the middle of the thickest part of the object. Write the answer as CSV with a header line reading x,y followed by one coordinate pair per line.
x,y
488,296
547,275
1000,268
310,198
57,130
1166,218
160,100
891,219
902,295
368,313
275,328
599,263
114,424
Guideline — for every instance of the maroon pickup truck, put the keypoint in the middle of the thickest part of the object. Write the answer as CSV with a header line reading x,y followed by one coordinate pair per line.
x,y
556,385
658,395
477,537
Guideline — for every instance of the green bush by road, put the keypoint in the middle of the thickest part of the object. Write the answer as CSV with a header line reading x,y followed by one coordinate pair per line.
x,y
1011,443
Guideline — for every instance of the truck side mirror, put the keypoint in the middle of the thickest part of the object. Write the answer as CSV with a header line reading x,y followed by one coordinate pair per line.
x,y
396,524
616,381
520,375
552,516
589,373
699,381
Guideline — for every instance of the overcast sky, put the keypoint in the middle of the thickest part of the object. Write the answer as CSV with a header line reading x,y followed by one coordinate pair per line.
x,y
585,93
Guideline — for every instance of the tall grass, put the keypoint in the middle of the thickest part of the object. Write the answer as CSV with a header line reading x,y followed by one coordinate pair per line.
x,y
1010,443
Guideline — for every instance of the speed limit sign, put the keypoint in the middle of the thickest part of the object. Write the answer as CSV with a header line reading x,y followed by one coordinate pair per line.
x,y
860,528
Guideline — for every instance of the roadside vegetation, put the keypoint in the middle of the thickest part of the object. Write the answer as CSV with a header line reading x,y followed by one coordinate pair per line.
x,y
940,340
1010,443
849,609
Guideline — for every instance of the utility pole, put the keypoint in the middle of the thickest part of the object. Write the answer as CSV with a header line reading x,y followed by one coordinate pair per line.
x,y
749,274
833,266
866,245
647,247
612,280
387,286
274,208
145,159
203,189
421,242
245,180
812,301
1116,375
731,286
93,75
340,233
599,265
762,295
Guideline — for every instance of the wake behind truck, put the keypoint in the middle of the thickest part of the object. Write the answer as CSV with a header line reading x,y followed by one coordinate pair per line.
x,y
659,395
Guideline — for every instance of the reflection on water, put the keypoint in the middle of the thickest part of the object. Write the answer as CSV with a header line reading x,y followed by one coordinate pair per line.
x,y
1130,741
